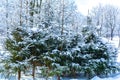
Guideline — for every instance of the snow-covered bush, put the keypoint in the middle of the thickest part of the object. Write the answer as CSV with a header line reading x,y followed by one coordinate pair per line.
x,y
60,55
98,55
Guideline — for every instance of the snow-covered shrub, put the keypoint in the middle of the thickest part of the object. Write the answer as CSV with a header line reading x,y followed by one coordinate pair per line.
x,y
60,55
55,58
98,55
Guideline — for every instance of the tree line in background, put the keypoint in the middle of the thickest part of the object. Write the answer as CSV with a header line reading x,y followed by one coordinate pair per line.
x,y
20,13
49,34
39,13
107,19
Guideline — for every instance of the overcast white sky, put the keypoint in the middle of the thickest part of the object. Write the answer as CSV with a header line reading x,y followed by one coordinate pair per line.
x,y
84,5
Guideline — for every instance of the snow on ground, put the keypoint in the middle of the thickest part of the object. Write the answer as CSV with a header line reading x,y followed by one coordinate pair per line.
x,y
115,42
110,78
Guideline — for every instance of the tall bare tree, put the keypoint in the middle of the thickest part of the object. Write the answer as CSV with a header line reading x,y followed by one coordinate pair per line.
x,y
7,18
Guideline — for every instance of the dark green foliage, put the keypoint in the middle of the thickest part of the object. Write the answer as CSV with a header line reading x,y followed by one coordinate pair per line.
x,y
15,47
85,53
98,55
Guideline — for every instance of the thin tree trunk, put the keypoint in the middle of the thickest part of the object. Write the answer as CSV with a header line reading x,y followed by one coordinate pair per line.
x,y
33,71
62,26
31,13
21,12
27,12
119,42
19,74
73,71
111,34
40,6
58,77
119,38
7,18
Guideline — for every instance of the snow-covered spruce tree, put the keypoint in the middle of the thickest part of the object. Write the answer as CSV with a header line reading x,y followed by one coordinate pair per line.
x,y
54,58
75,56
17,55
25,46
36,47
48,57
98,56
63,54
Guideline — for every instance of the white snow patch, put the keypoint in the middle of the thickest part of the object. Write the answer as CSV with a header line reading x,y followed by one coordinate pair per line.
x,y
96,78
35,29
115,42
110,78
